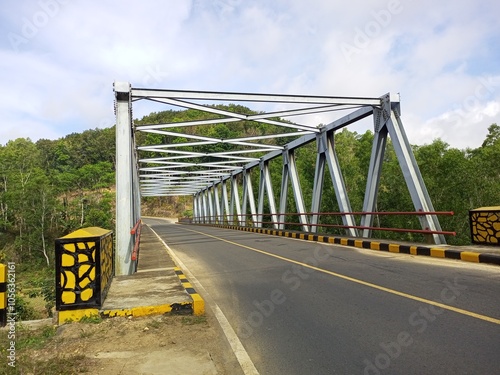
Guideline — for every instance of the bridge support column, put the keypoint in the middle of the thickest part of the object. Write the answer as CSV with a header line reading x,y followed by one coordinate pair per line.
x,y
266,186
248,198
235,200
127,181
374,171
290,174
411,171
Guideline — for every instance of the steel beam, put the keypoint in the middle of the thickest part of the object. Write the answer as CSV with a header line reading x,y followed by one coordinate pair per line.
x,y
374,170
339,184
319,179
411,171
289,173
126,208
248,197
265,186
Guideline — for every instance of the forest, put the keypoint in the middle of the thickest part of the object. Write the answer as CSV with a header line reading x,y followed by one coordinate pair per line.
x,y
49,188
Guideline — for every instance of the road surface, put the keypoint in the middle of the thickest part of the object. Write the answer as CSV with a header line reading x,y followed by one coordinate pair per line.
x,y
300,307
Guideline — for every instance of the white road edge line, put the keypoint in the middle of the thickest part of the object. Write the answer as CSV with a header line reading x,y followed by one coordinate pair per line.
x,y
238,349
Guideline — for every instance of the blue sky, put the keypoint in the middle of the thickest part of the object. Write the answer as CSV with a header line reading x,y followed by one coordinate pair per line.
x,y
59,58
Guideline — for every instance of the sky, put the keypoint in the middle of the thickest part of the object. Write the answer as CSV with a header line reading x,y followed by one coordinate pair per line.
x,y
59,58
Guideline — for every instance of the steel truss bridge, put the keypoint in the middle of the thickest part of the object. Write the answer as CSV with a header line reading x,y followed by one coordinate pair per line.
x,y
217,180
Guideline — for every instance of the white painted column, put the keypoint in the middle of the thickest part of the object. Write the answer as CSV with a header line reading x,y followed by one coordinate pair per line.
x,y
124,180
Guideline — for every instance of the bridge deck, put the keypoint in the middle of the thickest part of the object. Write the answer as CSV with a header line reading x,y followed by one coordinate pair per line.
x,y
154,288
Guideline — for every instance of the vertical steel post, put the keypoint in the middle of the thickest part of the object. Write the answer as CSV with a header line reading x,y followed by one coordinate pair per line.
x,y
411,171
218,217
265,185
290,174
225,204
248,197
195,208
374,170
319,179
338,184
284,190
235,199
125,170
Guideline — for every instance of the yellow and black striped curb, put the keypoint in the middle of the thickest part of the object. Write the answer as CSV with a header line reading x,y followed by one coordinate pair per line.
x,y
198,302
436,252
3,295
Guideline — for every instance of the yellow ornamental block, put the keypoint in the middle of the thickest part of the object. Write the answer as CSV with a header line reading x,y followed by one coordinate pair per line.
x,y
84,282
68,297
483,233
80,245
482,219
493,217
494,240
69,247
82,258
67,260
496,226
81,271
70,280
87,294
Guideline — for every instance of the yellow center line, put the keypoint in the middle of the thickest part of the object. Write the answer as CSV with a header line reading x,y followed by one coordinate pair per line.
x,y
361,282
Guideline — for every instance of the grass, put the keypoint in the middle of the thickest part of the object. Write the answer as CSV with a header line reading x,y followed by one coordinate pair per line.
x,y
154,324
92,319
27,339
28,342
58,365
191,320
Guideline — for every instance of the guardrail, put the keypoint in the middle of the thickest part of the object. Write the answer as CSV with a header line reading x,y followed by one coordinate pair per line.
x,y
136,231
235,219
84,268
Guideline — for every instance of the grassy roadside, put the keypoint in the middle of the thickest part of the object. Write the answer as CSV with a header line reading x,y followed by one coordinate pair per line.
x,y
29,347
73,348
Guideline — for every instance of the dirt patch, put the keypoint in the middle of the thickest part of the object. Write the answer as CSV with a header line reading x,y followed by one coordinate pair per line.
x,y
150,345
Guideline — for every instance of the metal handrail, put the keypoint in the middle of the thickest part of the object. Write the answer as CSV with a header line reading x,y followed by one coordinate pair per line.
x,y
136,230
403,230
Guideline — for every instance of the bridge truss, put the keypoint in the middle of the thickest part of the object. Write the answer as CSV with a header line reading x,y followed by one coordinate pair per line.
x,y
204,166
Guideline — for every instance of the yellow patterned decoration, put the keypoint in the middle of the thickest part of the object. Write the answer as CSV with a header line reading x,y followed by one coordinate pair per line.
x,y
84,265
485,225
3,295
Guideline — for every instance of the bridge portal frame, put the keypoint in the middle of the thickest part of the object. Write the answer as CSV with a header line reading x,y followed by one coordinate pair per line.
x,y
211,202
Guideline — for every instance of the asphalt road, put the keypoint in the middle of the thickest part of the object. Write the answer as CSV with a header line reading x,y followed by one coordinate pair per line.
x,y
301,307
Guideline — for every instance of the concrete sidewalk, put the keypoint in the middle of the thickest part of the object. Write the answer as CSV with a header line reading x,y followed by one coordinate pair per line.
x,y
158,286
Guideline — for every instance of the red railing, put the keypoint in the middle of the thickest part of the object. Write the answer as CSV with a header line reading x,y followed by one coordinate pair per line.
x,y
233,218
136,230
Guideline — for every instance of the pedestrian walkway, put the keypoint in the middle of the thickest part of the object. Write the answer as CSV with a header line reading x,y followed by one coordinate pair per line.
x,y
155,288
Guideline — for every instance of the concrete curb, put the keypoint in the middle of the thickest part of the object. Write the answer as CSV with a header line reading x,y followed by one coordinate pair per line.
x,y
436,252
196,307
198,302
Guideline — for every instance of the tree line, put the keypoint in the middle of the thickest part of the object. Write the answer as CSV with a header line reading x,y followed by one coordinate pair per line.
x,y
49,188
